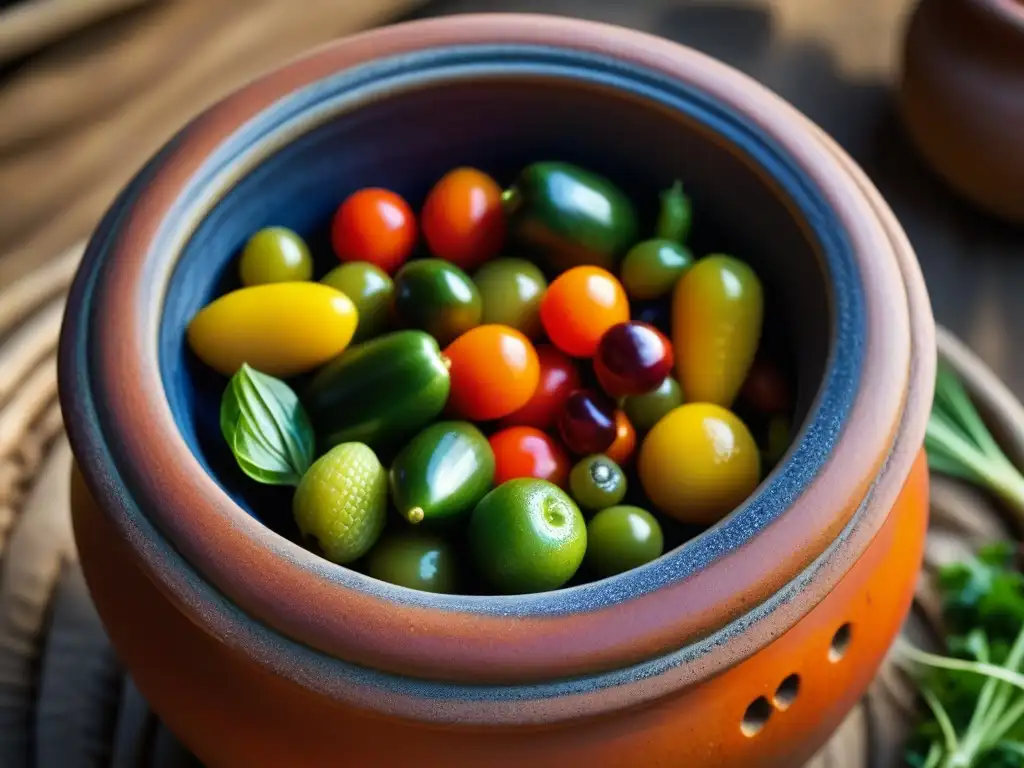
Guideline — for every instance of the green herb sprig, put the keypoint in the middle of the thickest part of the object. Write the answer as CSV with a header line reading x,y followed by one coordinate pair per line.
x,y
975,693
266,428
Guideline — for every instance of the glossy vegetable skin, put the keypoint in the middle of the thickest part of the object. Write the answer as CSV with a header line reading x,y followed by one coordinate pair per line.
x,y
494,372
436,297
462,219
675,215
597,482
528,452
281,329
570,216
699,463
587,422
652,268
379,391
442,472
370,289
632,359
416,561
717,316
622,448
374,225
622,538
527,536
511,291
275,255
580,306
645,410
558,379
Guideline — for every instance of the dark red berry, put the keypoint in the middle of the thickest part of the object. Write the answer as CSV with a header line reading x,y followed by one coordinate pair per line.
x,y
765,389
587,422
632,359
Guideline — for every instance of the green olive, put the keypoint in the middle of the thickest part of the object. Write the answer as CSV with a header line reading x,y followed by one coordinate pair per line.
x,y
597,482
651,268
511,290
370,289
621,538
415,560
646,410
275,255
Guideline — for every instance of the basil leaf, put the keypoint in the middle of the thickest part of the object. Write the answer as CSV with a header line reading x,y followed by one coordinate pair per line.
x,y
266,428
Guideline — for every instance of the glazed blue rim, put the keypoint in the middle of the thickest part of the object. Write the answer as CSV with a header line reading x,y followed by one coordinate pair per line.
x,y
427,68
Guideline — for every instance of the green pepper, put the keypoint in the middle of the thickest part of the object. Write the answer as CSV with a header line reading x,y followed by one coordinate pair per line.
x,y
443,472
675,216
380,391
571,216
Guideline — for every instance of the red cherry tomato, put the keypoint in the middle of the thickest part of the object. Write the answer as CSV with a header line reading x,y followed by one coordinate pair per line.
x,y
528,452
558,379
632,359
462,218
374,225
622,449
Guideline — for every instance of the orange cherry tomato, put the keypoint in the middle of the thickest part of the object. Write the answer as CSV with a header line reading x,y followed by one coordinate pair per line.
x,y
558,379
374,225
579,306
621,451
528,452
494,371
462,218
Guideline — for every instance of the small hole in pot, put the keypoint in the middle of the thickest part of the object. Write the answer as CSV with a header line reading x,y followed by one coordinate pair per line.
x,y
840,643
786,693
756,716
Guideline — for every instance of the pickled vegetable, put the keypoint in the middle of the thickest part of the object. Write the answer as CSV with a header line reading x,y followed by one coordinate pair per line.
x,y
281,329
717,314
494,372
380,391
558,379
527,536
370,289
622,448
580,306
275,255
442,473
417,561
597,482
699,463
622,538
463,220
436,297
341,502
675,215
652,268
587,422
528,452
632,358
374,225
511,290
570,216
644,411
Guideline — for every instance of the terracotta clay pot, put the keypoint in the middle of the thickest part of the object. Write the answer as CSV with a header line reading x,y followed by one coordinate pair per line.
x,y
962,97
744,646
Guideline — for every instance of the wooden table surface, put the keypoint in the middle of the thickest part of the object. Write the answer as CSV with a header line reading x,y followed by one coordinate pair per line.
x,y
836,61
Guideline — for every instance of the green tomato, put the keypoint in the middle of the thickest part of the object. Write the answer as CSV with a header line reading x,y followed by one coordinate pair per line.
x,y
275,255
417,561
370,289
437,297
651,268
511,290
646,410
527,535
622,538
597,482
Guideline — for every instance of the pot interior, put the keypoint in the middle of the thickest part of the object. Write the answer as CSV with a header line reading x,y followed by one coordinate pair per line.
x,y
406,138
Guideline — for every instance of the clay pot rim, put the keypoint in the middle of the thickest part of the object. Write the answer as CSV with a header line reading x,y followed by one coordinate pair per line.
x,y
1008,11
261,573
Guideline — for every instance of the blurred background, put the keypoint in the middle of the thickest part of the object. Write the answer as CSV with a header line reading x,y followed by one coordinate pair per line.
x,y
90,88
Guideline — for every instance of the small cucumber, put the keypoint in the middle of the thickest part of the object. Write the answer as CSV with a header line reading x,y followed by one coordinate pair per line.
x,y
443,472
571,215
379,391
